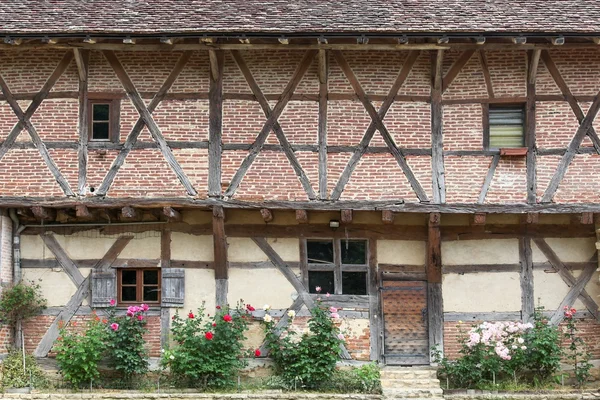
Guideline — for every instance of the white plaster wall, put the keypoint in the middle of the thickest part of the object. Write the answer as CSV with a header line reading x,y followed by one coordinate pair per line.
x,y
480,252
199,287
549,290
260,286
245,250
482,292
191,247
79,247
56,286
567,249
401,252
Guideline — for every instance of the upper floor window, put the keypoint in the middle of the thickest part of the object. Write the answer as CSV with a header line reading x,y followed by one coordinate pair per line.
x,y
104,120
337,266
506,126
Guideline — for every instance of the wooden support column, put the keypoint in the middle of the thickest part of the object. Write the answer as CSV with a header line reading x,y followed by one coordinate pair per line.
x,y
435,306
220,255
215,124
82,58
322,134
526,276
375,321
165,262
437,139
534,59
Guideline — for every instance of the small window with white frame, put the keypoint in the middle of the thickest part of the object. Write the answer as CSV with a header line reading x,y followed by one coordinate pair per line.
x,y
506,126
337,266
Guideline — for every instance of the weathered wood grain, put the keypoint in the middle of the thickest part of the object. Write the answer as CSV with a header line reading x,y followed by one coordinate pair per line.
x,y
215,122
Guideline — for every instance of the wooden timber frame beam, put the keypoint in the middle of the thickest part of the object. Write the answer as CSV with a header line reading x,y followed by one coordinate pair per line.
x,y
433,271
437,142
530,122
82,284
303,295
526,279
24,121
322,129
215,123
82,58
221,263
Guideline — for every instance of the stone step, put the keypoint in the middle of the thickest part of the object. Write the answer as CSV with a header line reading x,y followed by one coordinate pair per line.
x,y
409,374
410,383
430,394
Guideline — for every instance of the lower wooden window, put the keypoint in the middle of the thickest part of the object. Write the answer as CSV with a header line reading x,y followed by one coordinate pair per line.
x,y
337,266
138,286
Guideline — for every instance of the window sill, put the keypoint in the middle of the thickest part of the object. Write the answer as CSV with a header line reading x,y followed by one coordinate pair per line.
x,y
513,151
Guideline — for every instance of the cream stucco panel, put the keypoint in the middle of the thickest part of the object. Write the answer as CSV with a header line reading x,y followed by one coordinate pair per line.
x,y
32,247
567,249
259,286
148,248
56,286
199,287
482,292
401,252
191,247
480,252
81,248
245,250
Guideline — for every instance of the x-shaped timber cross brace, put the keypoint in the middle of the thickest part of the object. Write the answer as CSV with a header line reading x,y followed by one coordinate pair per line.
x,y
272,119
303,295
82,284
146,119
577,285
25,121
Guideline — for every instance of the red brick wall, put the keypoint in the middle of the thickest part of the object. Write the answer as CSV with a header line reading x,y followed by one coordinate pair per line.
x,y
36,327
589,331
146,174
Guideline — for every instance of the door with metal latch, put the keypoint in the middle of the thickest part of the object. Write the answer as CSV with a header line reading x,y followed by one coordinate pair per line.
x,y
404,306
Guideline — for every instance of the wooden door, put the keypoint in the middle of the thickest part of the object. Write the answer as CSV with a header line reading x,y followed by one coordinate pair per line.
x,y
406,340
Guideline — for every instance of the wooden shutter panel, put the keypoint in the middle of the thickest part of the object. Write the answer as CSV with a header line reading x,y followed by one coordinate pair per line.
x,y
104,288
173,287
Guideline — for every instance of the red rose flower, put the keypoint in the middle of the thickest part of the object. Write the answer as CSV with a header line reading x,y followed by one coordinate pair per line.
x,y
208,335
257,353
218,307
191,315
250,308
227,318
214,324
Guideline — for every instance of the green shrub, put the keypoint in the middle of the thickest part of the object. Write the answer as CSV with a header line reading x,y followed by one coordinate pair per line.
x,y
20,302
309,359
577,352
208,351
363,379
13,375
126,346
78,353
543,342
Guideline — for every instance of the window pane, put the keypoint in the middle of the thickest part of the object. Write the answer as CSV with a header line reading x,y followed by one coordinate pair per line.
x,y
150,293
319,251
100,112
128,277
354,282
151,277
324,279
100,131
354,252
128,293
506,126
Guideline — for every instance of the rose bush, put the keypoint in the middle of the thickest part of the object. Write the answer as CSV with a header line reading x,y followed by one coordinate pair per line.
x,y
208,351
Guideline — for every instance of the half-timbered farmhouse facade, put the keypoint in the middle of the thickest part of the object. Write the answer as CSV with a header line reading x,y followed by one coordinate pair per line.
x,y
424,163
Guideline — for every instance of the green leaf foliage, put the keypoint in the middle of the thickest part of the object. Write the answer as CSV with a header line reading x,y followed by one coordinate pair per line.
x,y
13,375
20,302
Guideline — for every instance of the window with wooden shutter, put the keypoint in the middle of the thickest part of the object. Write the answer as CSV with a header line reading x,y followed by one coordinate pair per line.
x,y
104,288
139,285
173,287
506,126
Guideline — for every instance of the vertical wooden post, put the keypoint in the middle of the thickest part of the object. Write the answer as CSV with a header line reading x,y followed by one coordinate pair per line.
x,y
82,58
437,139
526,276
165,262
322,139
435,306
534,57
215,125
220,255
375,323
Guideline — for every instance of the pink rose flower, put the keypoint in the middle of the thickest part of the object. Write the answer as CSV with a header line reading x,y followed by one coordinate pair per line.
x,y
113,302
145,307
114,326
140,317
335,315
332,310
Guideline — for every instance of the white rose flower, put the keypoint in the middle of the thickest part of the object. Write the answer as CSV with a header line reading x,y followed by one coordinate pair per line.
x,y
268,318
521,340
291,313
266,307
172,357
